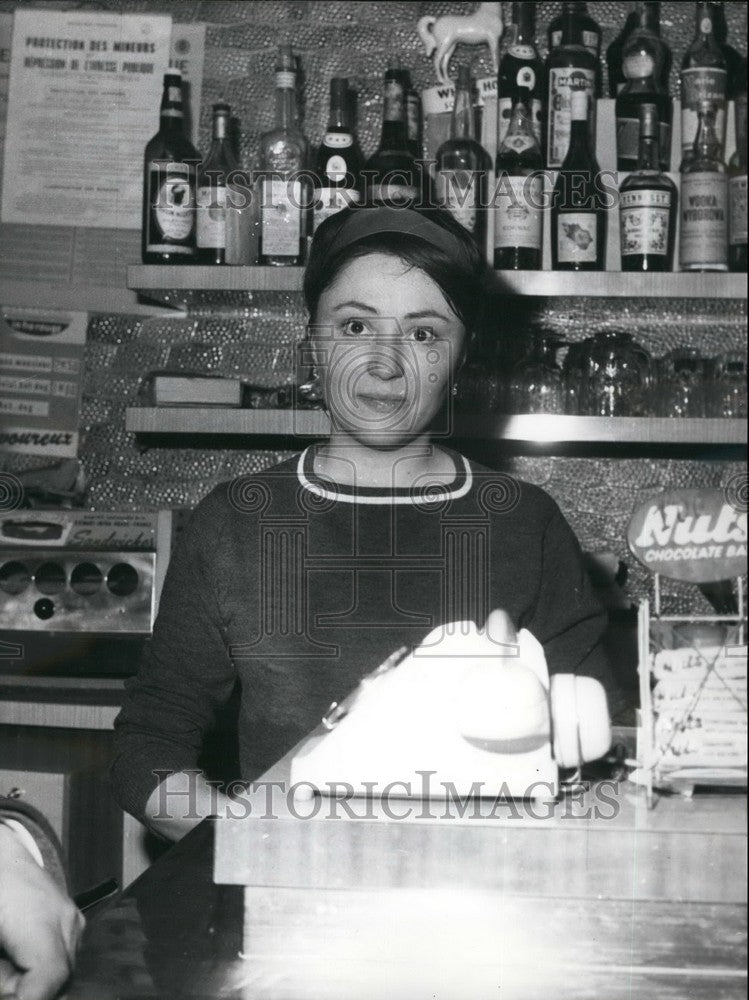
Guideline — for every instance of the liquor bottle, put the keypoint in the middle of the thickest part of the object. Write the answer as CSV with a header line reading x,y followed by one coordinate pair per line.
x,y
339,161
413,118
737,258
645,14
570,66
586,30
703,240
521,66
518,213
642,64
391,175
703,78
578,211
214,177
647,205
463,165
169,165
735,62
282,156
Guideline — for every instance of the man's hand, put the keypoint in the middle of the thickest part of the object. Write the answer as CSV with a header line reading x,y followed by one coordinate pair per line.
x,y
39,926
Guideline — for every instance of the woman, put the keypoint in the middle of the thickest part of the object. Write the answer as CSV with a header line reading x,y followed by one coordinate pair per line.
x,y
296,582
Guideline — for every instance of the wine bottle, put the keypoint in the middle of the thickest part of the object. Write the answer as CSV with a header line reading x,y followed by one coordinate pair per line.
x,y
570,66
578,210
703,240
518,212
647,205
214,176
586,30
703,78
282,156
391,175
169,164
737,258
735,62
645,14
642,64
463,165
521,66
339,161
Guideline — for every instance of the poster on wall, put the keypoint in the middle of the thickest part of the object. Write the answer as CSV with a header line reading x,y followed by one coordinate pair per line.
x,y
83,101
6,34
41,373
188,51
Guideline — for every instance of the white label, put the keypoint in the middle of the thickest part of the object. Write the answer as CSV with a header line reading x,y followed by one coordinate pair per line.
x,y
174,208
576,238
560,110
211,216
522,52
638,66
737,195
338,140
335,168
505,115
590,41
174,94
518,214
458,192
394,194
285,79
281,218
702,84
330,200
644,222
704,221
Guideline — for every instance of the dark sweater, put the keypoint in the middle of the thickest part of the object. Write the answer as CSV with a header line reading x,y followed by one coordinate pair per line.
x,y
295,588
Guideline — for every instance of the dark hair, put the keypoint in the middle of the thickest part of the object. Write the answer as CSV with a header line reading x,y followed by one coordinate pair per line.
x,y
462,280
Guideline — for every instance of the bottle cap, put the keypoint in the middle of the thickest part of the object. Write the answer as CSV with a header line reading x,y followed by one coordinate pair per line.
x,y
222,108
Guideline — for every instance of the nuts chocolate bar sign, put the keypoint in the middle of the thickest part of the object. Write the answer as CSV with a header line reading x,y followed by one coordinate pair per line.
x,y
698,535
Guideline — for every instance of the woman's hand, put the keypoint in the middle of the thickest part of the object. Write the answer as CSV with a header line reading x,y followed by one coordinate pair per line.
x,y
39,925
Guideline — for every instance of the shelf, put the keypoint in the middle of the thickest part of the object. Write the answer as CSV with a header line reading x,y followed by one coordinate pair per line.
x,y
185,285
541,429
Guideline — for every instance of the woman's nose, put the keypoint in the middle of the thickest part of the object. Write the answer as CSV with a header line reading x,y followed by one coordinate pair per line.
x,y
386,361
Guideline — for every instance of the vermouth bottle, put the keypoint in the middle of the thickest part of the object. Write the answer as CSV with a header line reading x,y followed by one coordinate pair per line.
x,y
647,205
578,212
282,157
642,62
169,165
214,177
463,165
703,78
737,257
521,66
339,162
392,177
585,29
571,66
703,239
518,212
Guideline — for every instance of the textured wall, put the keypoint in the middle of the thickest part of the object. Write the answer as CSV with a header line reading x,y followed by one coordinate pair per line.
x,y
597,494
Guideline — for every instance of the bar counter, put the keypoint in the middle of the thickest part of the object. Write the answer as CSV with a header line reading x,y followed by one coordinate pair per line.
x,y
593,898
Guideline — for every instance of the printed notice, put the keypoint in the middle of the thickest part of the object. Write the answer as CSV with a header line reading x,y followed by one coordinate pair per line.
x,y
188,50
6,33
41,372
83,101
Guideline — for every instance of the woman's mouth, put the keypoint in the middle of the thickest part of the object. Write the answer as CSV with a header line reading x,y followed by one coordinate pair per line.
x,y
381,403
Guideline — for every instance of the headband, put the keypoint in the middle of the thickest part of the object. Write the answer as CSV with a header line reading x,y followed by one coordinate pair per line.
x,y
374,221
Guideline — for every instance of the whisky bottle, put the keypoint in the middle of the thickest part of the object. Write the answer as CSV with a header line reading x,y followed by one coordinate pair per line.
x,y
391,174
703,239
169,164
339,161
521,66
283,190
647,205
578,210
214,178
518,199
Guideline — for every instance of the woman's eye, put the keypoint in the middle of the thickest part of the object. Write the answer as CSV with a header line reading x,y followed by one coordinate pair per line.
x,y
354,327
423,334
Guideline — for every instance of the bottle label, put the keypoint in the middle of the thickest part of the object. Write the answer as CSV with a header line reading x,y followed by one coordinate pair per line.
x,y
281,215
284,158
644,217
338,140
394,101
174,94
576,235
211,216
556,38
704,221
590,41
285,79
628,140
335,168
701,84
562,82
172,215
459,192
522,52
518,213
393,194
737,193
329,200
505,115
638,66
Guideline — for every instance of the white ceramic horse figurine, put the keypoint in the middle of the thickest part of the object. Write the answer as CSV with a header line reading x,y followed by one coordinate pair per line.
x,y
440,35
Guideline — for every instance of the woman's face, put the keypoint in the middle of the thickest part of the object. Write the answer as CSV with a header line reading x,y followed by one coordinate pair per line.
x,y
387,345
